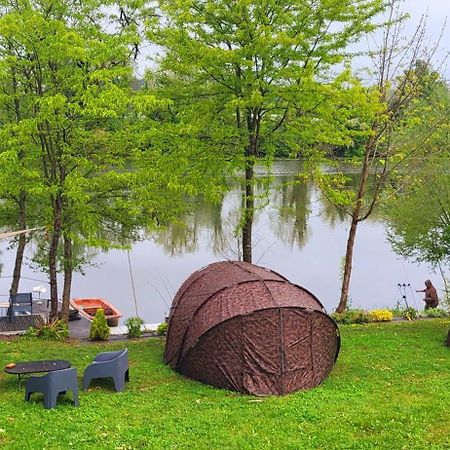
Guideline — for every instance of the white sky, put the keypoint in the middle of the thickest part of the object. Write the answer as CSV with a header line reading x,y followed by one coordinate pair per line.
x,y
437,13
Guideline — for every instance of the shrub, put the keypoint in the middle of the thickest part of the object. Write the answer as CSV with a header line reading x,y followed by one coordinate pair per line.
x,y
55,330
352,316
162,329
99,327
398,311
381,315
435,312
134,325
410,313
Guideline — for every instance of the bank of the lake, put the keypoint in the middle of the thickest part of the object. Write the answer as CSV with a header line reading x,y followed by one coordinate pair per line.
x,y
388,390
298,234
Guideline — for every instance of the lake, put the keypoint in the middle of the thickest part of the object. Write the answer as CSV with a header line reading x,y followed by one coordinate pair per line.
x,y
298,234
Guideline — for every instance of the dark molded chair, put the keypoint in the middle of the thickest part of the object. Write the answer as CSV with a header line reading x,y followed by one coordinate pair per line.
x,y
20,304
109,365
52,384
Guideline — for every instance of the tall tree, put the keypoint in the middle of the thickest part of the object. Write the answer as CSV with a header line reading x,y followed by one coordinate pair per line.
x,y
246,74
403,87
97,160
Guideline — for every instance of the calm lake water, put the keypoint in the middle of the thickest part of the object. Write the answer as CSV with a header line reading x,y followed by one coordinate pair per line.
x,y
298,234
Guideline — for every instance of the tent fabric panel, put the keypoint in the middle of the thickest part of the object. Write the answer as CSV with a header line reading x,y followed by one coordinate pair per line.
x,y
261,358
322,348
259,272
180,319
243,299
239,300
297,340
289,295
216,358
325,347
203,284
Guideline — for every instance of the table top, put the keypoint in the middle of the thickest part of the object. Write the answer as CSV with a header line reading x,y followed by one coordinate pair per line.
x,y
48,365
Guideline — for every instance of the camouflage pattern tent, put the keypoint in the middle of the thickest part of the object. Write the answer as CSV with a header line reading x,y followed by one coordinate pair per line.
x,y
238,326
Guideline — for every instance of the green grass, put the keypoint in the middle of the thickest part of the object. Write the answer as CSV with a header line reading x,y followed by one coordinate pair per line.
x,y
389,390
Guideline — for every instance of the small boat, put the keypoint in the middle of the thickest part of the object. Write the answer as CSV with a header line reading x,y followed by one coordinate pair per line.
x,y
87,308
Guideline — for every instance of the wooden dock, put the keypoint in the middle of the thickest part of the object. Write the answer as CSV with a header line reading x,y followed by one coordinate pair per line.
x,y
77,328
20,323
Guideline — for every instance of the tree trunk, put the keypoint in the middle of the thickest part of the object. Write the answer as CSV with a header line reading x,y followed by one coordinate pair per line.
x,y
356,218
20,247
68,270
249,204
348,265
253,127
52,257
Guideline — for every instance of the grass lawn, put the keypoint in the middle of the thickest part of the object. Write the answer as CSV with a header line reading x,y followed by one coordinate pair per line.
x,y
390,390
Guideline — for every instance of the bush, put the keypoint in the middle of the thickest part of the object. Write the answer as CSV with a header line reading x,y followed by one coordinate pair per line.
x,y
99,327
410,313
435,312
134,325
352,316
56,330
162,329
381,315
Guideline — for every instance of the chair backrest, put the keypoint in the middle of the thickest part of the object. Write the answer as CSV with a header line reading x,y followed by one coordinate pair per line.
x,y
23,298
111,356
21,303
62,374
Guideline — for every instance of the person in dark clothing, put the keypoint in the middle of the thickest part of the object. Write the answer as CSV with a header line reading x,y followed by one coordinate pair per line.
x,y
431,298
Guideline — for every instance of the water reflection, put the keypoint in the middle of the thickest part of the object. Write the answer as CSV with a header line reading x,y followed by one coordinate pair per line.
x,y
297,232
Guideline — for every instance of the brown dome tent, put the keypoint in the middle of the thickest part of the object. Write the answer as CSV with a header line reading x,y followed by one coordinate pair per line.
x,y
238,326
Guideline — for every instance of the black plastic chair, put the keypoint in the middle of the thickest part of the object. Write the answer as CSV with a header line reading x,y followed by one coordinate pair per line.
x,y
52,384
109,365
20,304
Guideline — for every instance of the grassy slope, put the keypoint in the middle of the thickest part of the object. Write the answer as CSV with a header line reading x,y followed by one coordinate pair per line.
x,y
390,389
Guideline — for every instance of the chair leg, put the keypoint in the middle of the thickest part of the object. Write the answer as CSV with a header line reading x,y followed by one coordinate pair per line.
x,y
50,400
76,401
86,382
27,395
119,383
127,375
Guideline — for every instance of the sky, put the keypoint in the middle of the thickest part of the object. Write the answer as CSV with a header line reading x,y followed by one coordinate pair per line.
x,y
437,13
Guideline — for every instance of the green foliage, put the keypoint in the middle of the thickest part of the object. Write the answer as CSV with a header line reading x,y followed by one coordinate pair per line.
x,y
423,233
435,312
352,316
55,330
398,311
162,328
389,387
99,327
134,325
410,313
82,151
248,79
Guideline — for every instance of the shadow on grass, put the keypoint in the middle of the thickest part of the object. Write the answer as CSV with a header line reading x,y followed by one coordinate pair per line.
x,y
102,383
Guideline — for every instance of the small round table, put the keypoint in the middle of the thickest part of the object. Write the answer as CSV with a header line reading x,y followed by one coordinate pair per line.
x,y
21,369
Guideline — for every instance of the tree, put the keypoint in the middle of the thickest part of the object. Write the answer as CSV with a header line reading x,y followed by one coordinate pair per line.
x,y
247,77
95,159
391,150
419,217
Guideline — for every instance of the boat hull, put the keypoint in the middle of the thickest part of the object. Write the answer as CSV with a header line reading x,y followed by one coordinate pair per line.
x,y
87,308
